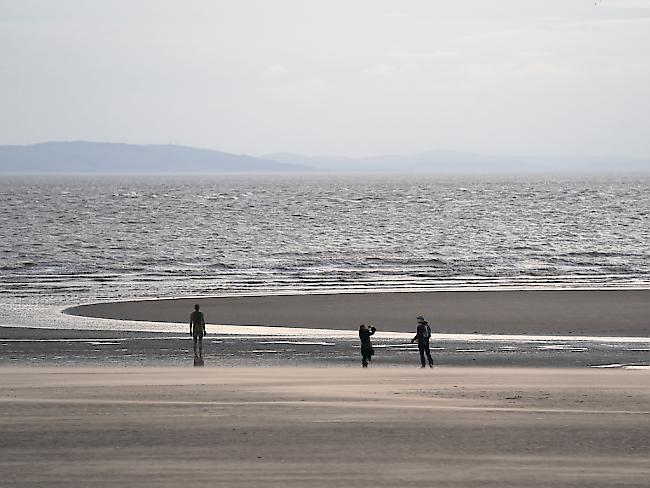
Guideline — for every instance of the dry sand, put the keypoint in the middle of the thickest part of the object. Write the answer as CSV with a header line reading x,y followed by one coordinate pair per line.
x,y
285,427
561,312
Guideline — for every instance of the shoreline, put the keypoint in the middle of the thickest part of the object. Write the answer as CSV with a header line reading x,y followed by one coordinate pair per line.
x,y
570,312
36,347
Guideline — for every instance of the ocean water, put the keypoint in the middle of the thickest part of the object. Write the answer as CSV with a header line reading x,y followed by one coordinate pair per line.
x,y
67,240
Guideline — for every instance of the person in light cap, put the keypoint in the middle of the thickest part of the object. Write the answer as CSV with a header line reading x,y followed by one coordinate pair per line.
x,y
423,335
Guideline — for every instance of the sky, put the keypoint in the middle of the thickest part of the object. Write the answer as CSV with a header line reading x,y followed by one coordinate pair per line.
x,y
331,77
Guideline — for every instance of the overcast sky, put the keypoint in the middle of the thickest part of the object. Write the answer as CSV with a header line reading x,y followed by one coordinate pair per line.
x,y
348,77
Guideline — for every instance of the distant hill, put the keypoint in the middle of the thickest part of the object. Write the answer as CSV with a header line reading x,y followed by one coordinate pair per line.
x,y
104,157
465,162
437,161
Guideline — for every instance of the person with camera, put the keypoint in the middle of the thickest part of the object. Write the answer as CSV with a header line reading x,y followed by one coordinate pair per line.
x,y
366,346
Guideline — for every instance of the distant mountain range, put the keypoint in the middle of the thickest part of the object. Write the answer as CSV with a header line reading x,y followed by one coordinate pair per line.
x,y
465,162
103,157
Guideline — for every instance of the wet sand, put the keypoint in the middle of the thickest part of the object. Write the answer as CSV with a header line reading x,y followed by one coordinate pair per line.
x,y
313,427
561,312
68,347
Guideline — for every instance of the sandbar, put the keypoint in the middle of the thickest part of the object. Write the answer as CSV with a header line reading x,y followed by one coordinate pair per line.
x,y
540,312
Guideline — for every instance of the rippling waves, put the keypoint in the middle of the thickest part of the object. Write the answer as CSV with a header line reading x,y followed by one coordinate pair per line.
x,y
75,239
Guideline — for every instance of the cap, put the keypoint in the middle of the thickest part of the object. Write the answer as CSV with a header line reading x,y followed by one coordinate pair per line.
x,y
419,317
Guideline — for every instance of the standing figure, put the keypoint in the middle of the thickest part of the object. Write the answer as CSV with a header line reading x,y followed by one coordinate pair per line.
x,y
366,346
197,331
423,335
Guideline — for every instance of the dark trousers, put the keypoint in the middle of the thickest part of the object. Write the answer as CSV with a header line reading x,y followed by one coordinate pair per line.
x,y
366,356
365,359
424,349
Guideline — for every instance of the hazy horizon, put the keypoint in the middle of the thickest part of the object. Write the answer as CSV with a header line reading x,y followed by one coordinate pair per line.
x,y
325,155
356,79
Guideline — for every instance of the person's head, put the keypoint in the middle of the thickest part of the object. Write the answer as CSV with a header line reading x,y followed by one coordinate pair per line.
x,y
196,307
420,319
362,326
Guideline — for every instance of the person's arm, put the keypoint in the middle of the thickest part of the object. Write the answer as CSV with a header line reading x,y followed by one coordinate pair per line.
x,y
203,324
417,334
372,330
191,324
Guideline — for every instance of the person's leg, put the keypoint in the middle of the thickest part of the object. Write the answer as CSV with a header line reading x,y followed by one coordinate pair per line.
x,y
364,359
421,348
195,339
201,347
428,351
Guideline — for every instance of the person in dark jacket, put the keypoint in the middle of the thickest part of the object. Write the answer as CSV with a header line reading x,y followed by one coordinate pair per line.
x,y
423,335
366,346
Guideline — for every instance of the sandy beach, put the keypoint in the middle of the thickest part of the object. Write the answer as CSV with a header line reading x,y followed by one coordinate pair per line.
x,y
328,426
540,312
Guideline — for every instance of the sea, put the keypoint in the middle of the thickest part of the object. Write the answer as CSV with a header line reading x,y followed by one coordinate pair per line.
x,y
73,239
